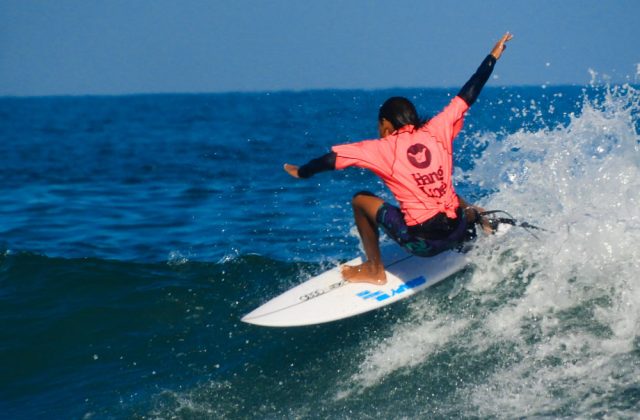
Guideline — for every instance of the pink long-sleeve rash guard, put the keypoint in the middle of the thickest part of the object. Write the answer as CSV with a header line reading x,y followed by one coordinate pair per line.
x,y
415,164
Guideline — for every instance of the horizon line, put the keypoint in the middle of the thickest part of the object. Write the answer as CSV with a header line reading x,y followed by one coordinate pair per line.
x,y
296,91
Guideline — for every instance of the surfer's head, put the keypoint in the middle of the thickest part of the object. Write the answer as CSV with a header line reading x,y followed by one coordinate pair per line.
x,y
395,113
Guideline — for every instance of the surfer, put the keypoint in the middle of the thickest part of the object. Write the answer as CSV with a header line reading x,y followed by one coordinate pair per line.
x,y
415,160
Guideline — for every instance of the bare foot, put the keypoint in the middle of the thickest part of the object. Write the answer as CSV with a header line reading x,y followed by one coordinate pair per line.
x,y
364,273
486,226
473,214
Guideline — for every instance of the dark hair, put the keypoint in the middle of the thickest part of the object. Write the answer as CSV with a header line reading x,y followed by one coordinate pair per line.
x,y
399,112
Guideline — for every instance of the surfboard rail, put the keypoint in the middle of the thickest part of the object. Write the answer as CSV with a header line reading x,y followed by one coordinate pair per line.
x,y
327,297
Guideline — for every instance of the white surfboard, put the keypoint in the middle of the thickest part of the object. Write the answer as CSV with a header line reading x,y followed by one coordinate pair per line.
x,y
327,297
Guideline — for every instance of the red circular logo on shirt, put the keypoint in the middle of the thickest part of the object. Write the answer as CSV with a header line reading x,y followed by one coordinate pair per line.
x,y
419,156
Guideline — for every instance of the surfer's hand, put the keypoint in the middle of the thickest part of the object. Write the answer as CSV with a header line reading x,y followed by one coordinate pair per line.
x,y
498,49
291,170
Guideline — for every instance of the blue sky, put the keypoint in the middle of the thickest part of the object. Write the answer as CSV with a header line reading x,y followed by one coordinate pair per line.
x,y
82,47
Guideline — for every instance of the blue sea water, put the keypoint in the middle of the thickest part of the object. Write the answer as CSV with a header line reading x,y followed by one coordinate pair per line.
x,y
137,230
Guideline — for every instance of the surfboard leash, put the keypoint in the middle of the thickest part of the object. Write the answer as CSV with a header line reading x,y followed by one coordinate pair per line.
x,y
510,220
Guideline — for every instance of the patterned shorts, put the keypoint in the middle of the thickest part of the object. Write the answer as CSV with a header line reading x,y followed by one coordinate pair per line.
x,y
391,219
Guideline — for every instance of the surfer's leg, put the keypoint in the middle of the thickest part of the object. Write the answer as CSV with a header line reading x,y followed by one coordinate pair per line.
x,y
365,208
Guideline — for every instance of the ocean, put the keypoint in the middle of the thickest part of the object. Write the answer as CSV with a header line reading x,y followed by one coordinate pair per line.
x,y
137,230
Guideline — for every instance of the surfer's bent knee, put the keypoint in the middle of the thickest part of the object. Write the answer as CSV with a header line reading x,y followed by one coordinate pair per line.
x,y
362,198
363,193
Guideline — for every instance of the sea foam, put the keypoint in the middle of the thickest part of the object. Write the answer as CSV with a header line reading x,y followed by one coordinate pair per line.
x,y
560,309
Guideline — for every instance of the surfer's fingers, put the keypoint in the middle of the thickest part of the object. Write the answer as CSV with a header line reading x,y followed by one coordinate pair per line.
x,y
501,45
291,170
505,38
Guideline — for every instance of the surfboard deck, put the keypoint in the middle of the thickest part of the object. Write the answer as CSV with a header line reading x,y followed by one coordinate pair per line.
x,y
327,297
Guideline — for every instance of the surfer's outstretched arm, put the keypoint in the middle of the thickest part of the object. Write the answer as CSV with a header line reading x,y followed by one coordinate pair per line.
x,y
470,91
323,163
